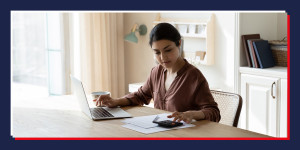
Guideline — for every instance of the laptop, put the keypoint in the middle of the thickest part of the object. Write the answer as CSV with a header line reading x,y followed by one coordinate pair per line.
x,y
97,113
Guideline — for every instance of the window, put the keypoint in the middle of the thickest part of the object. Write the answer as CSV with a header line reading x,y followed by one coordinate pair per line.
x,y
29,63
39,53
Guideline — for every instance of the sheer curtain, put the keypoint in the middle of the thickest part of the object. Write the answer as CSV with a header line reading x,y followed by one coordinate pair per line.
x,y
102,53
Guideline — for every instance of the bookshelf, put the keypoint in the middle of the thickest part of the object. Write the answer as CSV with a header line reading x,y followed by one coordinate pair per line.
x,y
198,37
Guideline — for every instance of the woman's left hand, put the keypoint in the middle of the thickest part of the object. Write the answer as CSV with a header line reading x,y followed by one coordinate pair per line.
x,y
182,116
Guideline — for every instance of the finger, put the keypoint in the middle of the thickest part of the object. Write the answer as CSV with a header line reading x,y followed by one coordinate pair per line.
x,y
98,101
175,114
180,118
175,118
171,116
103,98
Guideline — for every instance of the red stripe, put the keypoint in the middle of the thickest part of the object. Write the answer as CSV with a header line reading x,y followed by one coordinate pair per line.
x,y
154,138
288,87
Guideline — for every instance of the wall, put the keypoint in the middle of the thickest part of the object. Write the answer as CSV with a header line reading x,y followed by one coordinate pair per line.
x,y
281,25
221,74
139,57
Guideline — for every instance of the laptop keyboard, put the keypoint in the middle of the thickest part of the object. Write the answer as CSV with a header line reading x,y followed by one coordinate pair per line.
x,y
100,113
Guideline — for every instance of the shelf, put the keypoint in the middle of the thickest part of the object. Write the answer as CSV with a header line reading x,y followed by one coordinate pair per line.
x,y
194,36
276,71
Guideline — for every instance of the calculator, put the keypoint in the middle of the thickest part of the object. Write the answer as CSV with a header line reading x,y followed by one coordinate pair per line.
x,y
167,123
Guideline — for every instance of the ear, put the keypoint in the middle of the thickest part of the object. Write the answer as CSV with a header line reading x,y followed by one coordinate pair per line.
x,y
180,43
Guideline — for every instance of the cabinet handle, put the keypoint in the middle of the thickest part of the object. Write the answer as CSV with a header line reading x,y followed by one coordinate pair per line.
x,y
272,90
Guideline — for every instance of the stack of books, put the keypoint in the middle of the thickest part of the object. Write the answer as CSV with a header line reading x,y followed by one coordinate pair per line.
x,y
258,52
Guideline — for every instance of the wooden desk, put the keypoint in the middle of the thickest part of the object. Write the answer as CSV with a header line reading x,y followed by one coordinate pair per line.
x,y
61,117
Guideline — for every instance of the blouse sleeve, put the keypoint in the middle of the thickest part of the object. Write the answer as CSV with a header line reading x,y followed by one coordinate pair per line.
x,y
206,102
143,95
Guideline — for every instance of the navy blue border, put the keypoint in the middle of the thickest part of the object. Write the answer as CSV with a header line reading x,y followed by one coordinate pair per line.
x,y
8,142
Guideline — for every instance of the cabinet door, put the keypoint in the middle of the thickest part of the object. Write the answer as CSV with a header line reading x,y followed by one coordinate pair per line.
x,y
283,108
259,111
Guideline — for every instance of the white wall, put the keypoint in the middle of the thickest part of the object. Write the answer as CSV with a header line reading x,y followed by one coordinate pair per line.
x,y
221,74
282,25
139,57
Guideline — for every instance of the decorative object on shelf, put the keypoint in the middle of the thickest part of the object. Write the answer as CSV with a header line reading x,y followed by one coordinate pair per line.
x,y
279,51
195,57
182,29
192,29
131,37
201,30
201,54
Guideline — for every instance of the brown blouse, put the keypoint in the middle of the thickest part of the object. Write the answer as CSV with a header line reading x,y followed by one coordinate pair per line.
x,y
188,91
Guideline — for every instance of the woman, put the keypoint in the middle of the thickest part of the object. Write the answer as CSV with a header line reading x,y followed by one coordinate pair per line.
x,y
174,84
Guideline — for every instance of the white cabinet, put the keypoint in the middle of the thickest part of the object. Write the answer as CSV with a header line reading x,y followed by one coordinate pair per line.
x,y
283,108
264,93
259,107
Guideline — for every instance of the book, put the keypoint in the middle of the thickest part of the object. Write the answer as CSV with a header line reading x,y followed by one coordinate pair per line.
x,y
251,55
263,53
246,48
252,52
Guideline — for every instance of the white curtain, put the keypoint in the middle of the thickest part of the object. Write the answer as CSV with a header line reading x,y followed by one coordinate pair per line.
x,y
102,53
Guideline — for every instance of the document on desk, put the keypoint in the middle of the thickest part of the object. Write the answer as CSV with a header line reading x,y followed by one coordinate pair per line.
x,y
145,125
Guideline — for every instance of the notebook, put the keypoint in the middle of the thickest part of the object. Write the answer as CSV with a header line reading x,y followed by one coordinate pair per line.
x,y
97,113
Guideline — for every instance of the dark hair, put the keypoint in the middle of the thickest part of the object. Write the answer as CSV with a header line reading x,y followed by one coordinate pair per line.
x,y
164,31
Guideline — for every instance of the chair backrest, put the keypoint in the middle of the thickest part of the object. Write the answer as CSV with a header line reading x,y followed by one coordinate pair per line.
x,y
230,106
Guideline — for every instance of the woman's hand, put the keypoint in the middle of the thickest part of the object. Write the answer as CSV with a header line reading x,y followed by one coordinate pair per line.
x,y
187,116
182,116
106,100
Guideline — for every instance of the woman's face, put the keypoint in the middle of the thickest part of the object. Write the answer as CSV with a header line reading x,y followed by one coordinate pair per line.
x,y
166,52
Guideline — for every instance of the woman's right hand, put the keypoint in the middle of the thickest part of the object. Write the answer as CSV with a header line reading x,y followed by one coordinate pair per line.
x,y
106,100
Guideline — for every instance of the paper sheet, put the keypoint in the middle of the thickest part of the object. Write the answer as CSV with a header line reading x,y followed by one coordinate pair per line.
x,y
144,124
